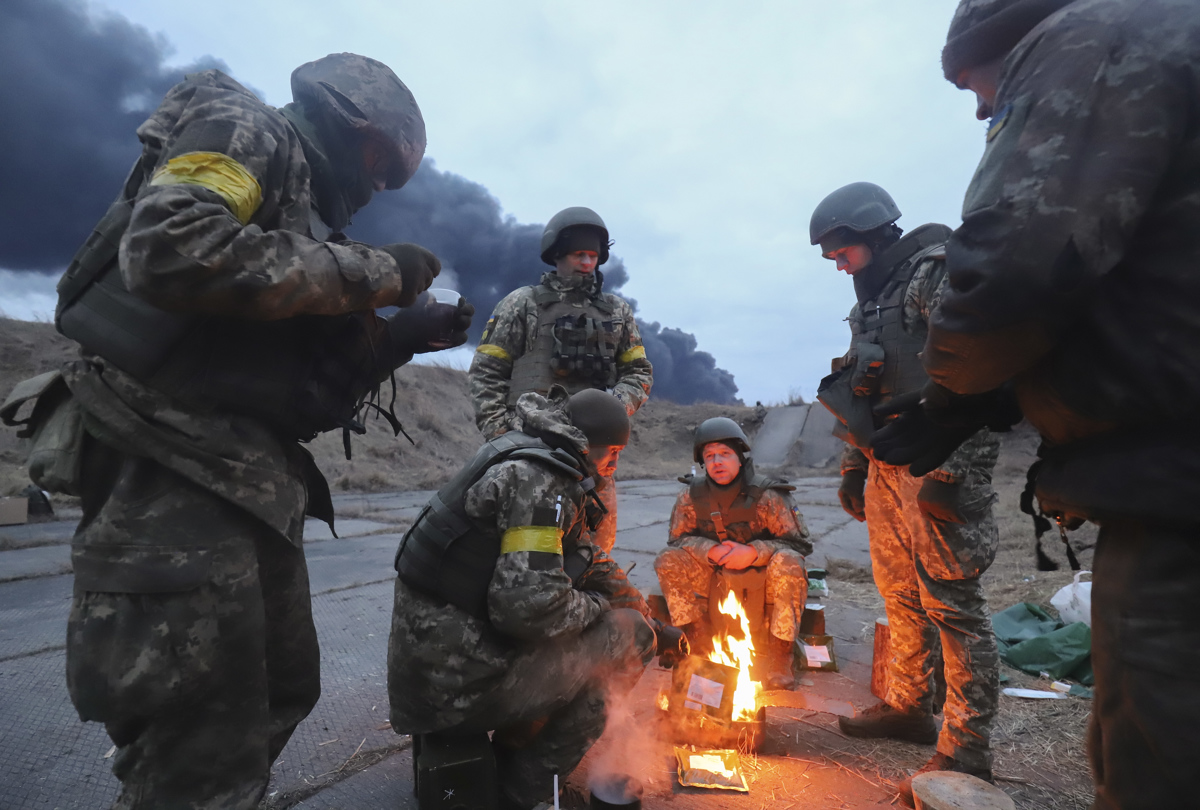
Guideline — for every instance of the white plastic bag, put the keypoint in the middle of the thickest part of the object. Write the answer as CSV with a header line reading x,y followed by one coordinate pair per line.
x,y
1074,602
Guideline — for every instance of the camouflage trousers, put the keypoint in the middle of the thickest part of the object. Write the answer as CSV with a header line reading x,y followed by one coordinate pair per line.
x,y
685,580
928,574
1144,738
605,535
551,706
190,636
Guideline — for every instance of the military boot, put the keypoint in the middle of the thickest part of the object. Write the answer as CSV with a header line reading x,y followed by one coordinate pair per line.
x,y
882,720
779,674
941,762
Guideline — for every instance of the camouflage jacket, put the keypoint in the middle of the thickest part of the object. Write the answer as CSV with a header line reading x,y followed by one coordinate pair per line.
x,y
230,233
1073,272
925,290
511,332
443,662
777,524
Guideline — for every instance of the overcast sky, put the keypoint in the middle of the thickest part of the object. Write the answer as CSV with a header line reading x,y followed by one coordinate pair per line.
x,y
703,132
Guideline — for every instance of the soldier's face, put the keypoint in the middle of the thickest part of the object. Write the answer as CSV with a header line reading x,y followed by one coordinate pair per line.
x,y
582,262
721,462
605,458
850,259
983,81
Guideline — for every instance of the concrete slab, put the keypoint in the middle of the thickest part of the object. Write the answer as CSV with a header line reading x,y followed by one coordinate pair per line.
x,y
37,534
818,446
780,430
353,527
39,561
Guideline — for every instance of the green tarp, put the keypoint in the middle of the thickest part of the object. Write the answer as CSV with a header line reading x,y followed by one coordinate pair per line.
x,y
1031,640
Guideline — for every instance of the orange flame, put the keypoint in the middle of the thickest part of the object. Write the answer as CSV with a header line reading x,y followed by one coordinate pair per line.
x,y
739,654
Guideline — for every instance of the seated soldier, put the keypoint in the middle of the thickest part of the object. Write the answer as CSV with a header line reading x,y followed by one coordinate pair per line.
x,y
731,519
505,618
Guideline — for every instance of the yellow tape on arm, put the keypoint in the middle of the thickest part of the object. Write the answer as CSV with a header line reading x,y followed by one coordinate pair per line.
x,y
532,538
215,172
634,353
492,350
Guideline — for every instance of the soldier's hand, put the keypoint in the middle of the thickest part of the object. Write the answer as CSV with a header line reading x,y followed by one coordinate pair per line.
x,y
427,326
418,268
672,644
914,440
852,494
938,500
740,556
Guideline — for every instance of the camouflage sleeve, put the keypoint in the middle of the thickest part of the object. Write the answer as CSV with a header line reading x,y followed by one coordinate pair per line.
x,y
853,459
530,596
779,524
503,341
206,235
978,452
635,375
925,290
606,578
683,524
1087,123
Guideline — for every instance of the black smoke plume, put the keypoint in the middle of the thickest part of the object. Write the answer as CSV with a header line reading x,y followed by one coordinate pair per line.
x,y
78,85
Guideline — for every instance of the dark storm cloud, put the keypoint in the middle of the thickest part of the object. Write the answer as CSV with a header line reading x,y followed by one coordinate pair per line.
x,y
76,86
74,89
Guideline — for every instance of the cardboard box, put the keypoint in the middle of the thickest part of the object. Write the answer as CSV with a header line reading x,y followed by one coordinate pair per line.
x,y
14,511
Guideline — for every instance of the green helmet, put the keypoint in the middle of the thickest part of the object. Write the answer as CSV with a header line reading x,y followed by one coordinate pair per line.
x,y
575,217
719,429
365,96
858,208
600,416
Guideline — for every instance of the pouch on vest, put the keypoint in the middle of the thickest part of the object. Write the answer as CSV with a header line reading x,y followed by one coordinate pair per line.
x,y
856,423
867,369
55,429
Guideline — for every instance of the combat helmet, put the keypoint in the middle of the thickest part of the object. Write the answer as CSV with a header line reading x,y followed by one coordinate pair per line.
x,y
719,429
365,96
574,217
858,208
600,416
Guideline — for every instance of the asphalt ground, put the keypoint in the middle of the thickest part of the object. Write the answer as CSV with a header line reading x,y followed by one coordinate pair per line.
x,y
344,755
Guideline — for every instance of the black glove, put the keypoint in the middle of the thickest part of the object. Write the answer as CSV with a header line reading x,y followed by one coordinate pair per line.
x,y
418,268
938,500
424,327
931,424
673,644
850,493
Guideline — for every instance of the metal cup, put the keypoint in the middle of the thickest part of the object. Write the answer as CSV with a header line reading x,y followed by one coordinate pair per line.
x,y
615,791
442,305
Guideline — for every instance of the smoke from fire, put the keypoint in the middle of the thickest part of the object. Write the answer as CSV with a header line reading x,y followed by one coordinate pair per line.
x,y
68,141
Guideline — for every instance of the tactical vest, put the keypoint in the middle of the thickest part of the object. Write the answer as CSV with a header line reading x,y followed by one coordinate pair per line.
x,y
735,522
884,359
446,554
899,371
575,345
302,375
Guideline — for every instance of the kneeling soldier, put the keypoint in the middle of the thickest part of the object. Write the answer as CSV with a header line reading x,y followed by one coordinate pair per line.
x,y
505,618
731,519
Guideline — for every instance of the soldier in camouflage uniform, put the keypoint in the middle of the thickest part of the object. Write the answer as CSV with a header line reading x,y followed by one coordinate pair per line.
x,y
732,519
1074,287
506,619
233,322
931,537
564,330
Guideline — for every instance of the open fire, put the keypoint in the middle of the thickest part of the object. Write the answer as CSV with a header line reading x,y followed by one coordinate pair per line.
x,y
739,654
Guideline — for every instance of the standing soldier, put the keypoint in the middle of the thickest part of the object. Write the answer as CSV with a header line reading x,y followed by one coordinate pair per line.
x,y
564,330
1074,286
506,618
731,519
227,328
932,536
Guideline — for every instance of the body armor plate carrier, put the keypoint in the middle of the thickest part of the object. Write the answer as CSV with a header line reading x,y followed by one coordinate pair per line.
x,y
575,346
736,521
448,555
